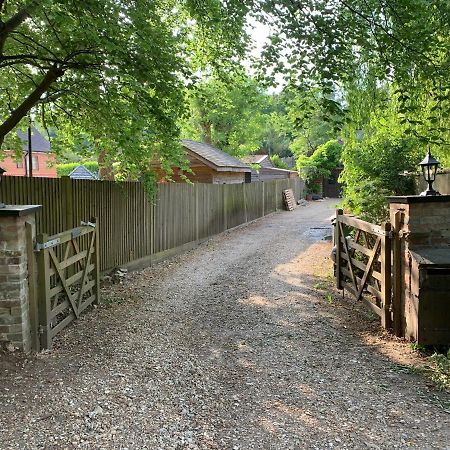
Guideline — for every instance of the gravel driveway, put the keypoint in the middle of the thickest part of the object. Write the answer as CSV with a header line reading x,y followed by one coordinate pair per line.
x,y
230,346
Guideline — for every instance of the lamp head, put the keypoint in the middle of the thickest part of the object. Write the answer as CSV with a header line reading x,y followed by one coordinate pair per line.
x,y
429,167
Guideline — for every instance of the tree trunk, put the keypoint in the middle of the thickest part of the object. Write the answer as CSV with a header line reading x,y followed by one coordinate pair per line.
x,y
22,110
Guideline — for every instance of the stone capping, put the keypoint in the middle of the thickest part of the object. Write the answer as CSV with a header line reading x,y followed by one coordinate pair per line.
x,y
408,199
18,210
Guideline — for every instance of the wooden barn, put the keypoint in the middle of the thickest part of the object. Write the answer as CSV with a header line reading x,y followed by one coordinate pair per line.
x,y
209,165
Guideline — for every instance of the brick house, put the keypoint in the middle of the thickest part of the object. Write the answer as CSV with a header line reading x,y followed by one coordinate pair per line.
x,y
43,161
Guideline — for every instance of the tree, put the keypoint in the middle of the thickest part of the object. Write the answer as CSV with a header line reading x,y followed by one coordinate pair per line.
x,y
404,43
228,113
376,157
110,75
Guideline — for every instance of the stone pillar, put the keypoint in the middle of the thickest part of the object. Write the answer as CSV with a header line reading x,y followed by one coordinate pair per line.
x,y
422,222
14,301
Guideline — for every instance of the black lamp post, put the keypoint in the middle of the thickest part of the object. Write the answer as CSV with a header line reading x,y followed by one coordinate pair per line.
x,y
2,171
429,168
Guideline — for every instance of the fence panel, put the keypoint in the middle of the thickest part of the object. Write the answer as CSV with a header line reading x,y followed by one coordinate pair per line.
x,y
133,227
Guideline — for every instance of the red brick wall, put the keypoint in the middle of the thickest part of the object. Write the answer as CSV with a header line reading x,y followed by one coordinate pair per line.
x,y
43,161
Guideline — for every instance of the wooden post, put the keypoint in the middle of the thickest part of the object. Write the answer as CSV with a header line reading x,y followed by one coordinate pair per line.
x,y
97,260
32,300
66,184
263,209
337,241
245,202
197,222
225,212
397,276
44,294
386,275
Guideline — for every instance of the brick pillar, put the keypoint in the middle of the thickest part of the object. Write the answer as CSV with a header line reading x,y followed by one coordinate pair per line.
x,y
424,222
14,302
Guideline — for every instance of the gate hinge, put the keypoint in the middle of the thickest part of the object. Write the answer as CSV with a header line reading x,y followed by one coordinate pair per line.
x,y
88,224
41,246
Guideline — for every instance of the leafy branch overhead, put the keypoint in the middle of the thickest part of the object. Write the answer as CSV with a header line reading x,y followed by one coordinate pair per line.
x,y
109,74
404,43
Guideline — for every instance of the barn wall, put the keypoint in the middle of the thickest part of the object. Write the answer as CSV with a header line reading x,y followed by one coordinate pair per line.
x,y
228,177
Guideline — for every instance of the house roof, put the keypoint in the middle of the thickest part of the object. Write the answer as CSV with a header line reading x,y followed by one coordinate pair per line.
x,y
38,142
82,173
214,157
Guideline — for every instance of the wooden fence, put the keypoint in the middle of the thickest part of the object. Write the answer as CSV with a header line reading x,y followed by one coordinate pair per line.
x,y
133,229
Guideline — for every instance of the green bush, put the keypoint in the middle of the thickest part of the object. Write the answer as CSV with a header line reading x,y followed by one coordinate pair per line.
x,y
63,170
320,164
277,162
373,170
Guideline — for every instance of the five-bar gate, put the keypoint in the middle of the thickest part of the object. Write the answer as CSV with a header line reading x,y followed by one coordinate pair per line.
x,y
364,263
68,279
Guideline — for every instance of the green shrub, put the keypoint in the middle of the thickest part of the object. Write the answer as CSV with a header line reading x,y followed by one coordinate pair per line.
x,y
320,164
373,170
63,170
277,162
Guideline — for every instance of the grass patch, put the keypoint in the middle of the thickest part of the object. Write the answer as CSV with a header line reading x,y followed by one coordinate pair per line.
x,y
438,369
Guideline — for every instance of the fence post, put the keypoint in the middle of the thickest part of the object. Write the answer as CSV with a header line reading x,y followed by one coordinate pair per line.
x,y
43,294
66,184
397,276
97,260
245,202
197,231
224,196
386,282
337,243
263,198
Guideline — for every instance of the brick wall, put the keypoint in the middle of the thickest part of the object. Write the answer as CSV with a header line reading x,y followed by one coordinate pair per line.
x,y
424,223
45,165
14,310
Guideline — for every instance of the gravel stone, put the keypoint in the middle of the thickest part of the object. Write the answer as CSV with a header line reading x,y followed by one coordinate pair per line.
x,y
230,346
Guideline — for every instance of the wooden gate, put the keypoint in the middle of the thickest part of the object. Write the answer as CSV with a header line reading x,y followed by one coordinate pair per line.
x,y
68,278
363,263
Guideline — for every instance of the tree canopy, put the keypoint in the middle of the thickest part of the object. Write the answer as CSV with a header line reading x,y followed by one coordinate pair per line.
x,y
110,75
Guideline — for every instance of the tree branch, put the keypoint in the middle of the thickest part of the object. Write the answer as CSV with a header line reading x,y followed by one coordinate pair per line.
x,y
22,110
10,25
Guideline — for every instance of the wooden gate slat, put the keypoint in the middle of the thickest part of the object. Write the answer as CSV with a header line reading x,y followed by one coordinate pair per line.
x,y
344,244
63,280
89,252
368,268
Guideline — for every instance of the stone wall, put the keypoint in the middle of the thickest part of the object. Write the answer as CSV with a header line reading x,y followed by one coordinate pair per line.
x,y
14,308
